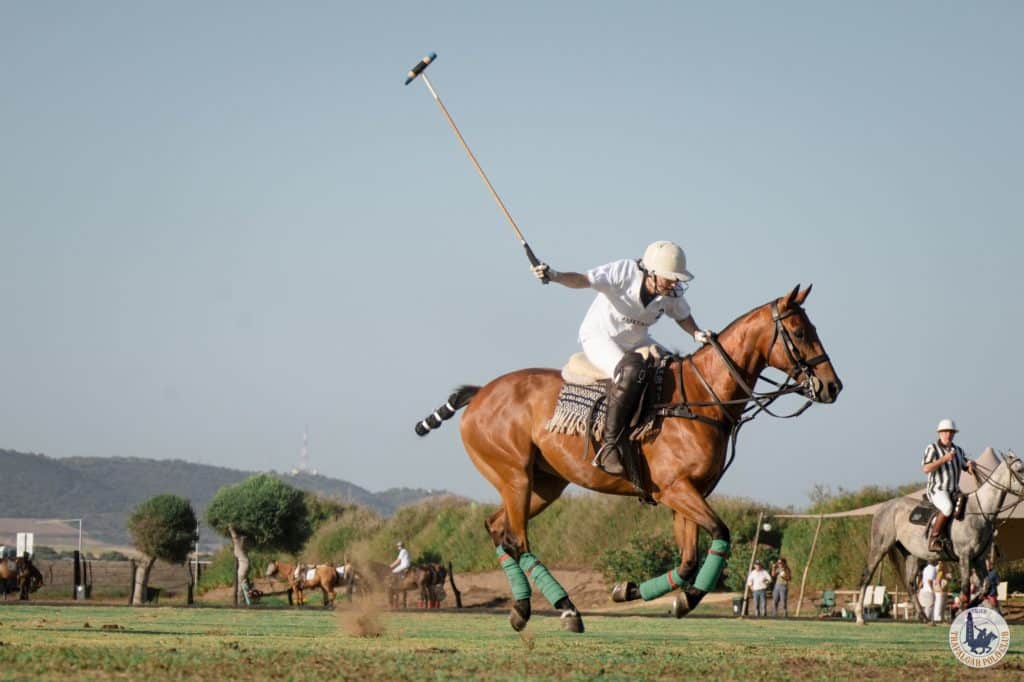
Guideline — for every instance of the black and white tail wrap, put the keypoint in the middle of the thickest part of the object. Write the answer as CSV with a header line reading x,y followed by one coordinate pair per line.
x,y
456,401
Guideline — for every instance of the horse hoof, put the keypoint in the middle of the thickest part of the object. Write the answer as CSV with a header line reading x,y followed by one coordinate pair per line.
x,y
572,621
625,592
520,614
517,622
680,605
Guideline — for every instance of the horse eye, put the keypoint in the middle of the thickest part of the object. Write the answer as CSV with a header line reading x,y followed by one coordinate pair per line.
x,y
799,333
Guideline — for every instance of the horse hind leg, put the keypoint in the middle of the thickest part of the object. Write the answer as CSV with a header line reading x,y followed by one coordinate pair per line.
x,y
525,492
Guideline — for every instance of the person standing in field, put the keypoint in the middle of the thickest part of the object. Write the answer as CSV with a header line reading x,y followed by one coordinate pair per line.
x,y
939,585
780,592
758,582
926,595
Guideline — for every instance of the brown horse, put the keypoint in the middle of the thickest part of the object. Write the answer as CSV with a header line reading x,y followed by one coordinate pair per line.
x,y
711,395
302,578
426,579
19,575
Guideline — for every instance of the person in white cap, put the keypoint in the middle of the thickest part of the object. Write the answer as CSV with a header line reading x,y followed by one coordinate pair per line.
x,y
402,562
943,461
632,295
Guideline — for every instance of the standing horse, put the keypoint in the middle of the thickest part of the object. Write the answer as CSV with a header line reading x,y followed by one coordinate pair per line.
x,y
302,578
19,575
906,544
426,579
504,431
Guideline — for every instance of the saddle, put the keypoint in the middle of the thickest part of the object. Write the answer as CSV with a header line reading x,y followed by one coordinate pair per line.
x,y
581,409
924,513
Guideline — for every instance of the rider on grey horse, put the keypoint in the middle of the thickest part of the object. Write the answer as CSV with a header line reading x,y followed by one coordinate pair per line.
x,y
943,461
632,295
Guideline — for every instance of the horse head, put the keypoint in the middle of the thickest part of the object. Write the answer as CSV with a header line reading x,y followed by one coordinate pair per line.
x,y
272,569
1015,474
796,349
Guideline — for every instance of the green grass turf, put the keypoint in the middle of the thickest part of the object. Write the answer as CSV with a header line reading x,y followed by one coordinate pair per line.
x,y
53,643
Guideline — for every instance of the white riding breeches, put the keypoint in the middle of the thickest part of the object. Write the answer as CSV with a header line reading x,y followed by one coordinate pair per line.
x,y
942,501
605,354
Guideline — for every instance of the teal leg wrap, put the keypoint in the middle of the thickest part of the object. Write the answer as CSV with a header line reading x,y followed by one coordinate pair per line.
x,y
663,584
542,578
707,579
516,578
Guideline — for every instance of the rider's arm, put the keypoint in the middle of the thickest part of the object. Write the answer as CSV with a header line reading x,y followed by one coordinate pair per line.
x,y
573,280
932,466
688,324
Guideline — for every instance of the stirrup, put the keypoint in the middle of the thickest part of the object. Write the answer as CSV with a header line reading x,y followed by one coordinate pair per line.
x,y
599,458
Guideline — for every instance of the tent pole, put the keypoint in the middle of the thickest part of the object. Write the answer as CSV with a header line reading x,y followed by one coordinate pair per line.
x,y
753,555
807,566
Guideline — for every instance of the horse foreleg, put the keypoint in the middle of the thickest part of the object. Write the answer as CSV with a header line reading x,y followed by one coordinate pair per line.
x,y
683,499
875,556
685,532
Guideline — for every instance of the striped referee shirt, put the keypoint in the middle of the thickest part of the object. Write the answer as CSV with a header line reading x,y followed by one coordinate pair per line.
x,y
947,476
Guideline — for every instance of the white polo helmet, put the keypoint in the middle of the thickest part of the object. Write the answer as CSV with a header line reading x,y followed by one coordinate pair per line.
x,y
947,425
665,259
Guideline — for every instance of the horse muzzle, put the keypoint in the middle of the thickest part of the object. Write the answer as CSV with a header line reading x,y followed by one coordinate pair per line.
x,y
822,391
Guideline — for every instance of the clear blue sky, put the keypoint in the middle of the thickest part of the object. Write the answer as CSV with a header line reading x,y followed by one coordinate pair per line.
x,y
224,221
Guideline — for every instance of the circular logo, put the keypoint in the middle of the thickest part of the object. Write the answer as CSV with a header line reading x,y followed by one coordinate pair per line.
x,y
979,637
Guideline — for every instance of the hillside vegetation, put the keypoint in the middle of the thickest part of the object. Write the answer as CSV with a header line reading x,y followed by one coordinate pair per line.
x,y
104,490
616,535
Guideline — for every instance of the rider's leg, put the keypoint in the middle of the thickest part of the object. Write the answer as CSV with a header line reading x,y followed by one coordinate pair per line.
x,y
942,501
626,386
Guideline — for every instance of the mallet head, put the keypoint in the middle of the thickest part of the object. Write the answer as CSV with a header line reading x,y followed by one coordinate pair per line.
x,y
418,69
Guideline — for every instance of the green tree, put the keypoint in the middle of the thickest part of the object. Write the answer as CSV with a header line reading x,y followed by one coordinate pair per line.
x,y
260,512
162,527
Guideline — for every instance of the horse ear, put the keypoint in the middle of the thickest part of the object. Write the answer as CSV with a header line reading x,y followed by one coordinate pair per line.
x,y
789,299
803,295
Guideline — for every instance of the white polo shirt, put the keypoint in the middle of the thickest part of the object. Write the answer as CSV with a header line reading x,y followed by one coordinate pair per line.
x,y
617,312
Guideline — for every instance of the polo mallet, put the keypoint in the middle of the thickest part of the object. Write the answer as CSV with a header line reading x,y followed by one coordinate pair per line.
x,y
417,71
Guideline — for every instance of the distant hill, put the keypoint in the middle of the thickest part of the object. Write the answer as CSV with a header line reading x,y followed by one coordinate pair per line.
x,y
104,490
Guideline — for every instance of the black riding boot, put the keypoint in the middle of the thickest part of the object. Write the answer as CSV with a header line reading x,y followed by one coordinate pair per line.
x,y
626,386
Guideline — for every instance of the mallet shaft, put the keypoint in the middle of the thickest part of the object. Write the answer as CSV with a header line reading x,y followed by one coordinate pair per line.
x,y
479,169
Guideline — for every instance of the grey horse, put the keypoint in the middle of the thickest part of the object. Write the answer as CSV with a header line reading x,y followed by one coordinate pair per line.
x,y
906,545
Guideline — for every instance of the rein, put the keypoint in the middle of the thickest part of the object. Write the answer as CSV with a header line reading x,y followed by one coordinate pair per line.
x,y
761,400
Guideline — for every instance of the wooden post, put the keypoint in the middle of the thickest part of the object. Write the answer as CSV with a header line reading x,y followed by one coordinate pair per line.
x,y
131,578
750,567
78,574
189,599
455,590
807,566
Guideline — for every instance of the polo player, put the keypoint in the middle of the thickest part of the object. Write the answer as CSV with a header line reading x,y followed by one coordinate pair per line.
x,y
943,461
632,296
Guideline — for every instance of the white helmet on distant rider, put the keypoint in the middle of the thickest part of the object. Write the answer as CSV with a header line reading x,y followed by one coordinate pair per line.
x,y
668,260
947,425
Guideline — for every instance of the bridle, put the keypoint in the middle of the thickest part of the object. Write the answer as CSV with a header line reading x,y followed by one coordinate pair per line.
x,y
988,474
754,401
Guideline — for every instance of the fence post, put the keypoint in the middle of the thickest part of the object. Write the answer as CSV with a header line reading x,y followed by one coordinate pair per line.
x,y
451,579
191,584
78,574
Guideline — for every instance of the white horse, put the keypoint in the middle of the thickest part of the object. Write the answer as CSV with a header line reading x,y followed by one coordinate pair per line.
x,y
906,544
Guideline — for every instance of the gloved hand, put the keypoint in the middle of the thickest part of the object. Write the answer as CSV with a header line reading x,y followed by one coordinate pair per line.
x,y
543,272
702,336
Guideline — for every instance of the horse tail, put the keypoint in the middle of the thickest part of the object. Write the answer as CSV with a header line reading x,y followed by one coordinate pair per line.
x,y
456,401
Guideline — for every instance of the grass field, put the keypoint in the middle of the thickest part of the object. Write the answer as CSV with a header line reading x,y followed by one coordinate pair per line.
x,y
94,642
